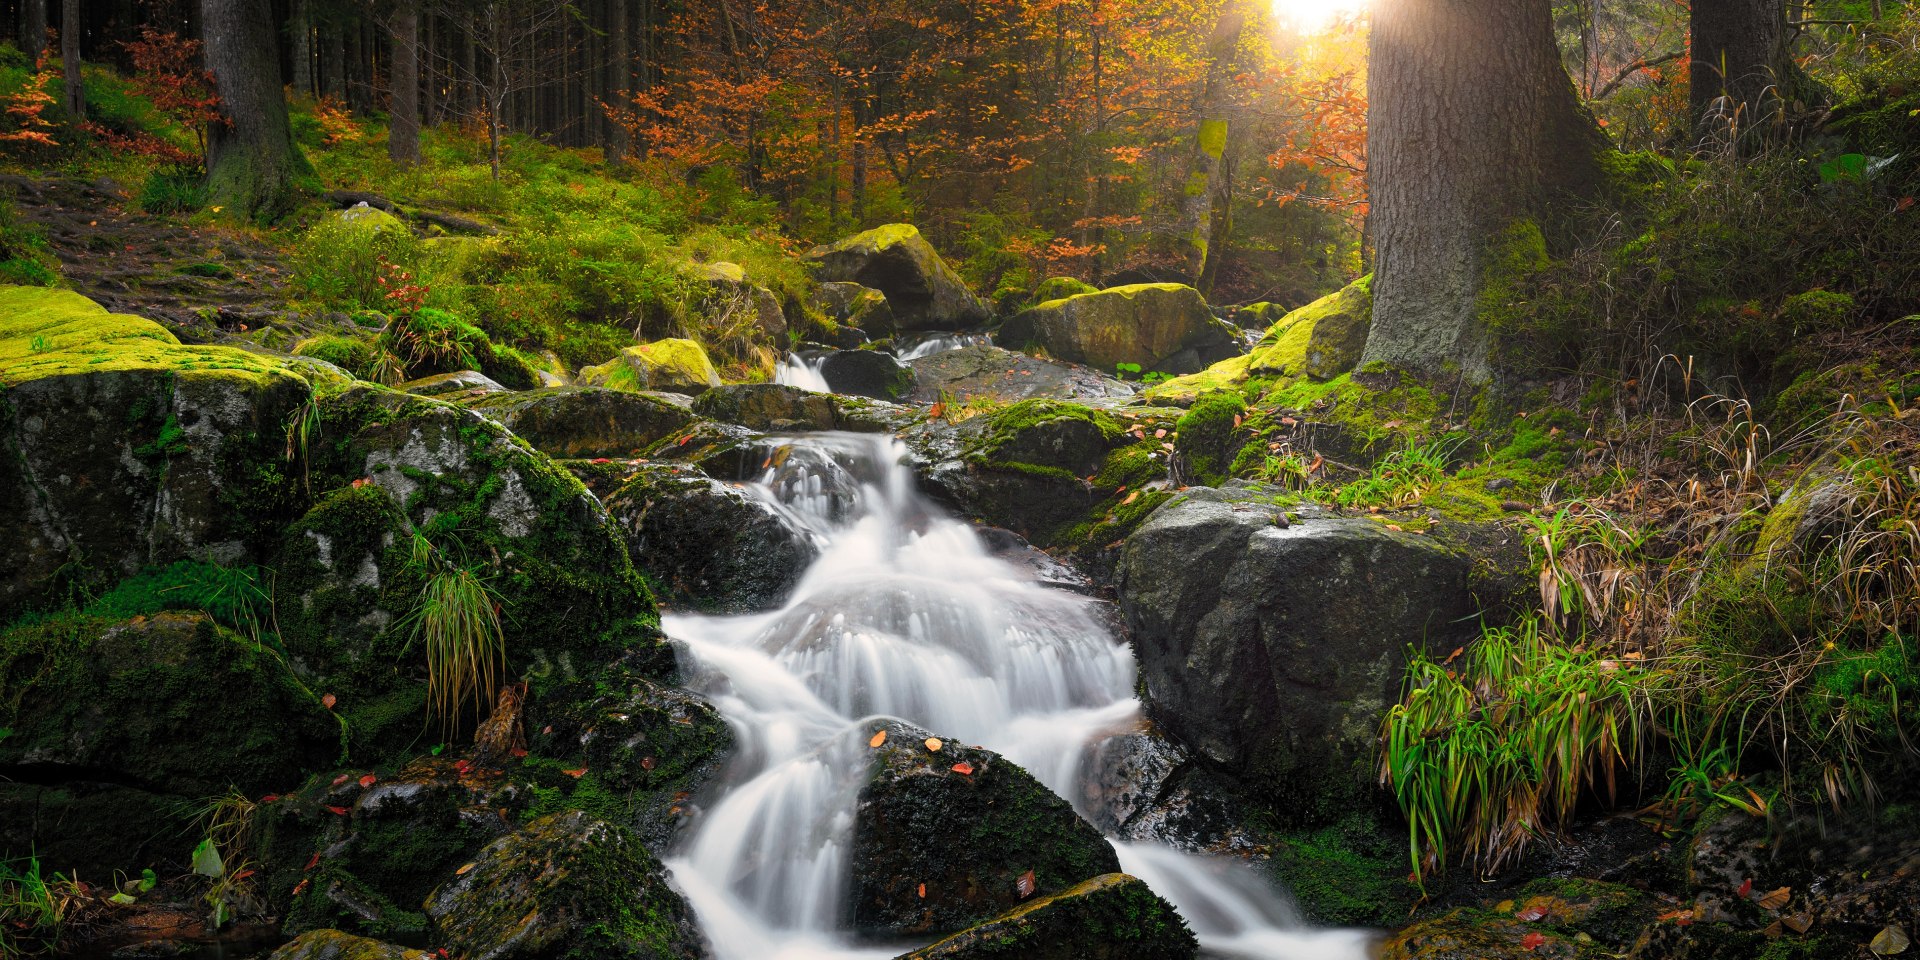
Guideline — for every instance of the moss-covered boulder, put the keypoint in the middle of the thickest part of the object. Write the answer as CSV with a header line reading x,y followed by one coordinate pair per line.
x,y
942,838
1257,316
706,544
868,373
172,703
1110,917
850,306
120,448
459,385
587,422
1059,288
1156,326
353,355
1271,646
732,294
984,371
922,292
566,887
672,366
1322,340
335,945
1026,467
767,406
1483,935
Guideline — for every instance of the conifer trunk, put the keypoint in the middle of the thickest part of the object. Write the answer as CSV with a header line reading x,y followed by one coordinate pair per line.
x,y
403,137
70,33
251,160
1742,78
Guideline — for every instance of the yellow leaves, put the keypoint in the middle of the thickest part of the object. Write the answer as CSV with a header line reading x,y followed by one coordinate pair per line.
x,y
464,870
1776,899
934,744
1890,941
878,739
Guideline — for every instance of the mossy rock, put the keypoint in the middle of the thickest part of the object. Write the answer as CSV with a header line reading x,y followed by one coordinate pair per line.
x,y
1155,326
672,366
587,422
1110,917
124,448
968,837
86,828
852,306
1228,374
566,887
1208,436
351,354
1482,935
172,702
1060,288
767,406
372,219
706,544
1322,340
459,385
335,945
922,291
868,373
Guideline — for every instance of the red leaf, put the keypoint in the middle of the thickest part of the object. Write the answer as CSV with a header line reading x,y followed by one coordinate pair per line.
x,y
963,768
923,891
269,798
519,751
646,763
1532,941
328,701
1531,914
601,460
300,888
369,780
337,811
685,440
242,875
576,774
313,862
1024,885
1746,889
339,779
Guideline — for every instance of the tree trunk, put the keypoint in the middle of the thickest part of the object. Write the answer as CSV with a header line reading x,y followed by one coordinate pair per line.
x,y
300,33
70,31
403,137
1220,225
333,62
619,145
1742,78
1209,142
33,28
251,160
1473,130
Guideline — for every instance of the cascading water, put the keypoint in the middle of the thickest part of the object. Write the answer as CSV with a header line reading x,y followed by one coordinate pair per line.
x,y
803,370
800,371
906,615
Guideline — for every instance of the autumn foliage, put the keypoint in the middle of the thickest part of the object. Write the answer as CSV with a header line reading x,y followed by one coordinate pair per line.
x,y
167,71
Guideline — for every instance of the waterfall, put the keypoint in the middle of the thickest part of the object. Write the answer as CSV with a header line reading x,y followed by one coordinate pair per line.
x,y
906,615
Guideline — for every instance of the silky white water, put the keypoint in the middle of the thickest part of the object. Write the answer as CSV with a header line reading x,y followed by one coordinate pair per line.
x,y
906,615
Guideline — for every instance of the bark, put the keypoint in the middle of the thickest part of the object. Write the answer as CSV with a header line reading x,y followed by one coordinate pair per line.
x,y
300,32
70,31
252,164
619,146
1742,81
1473,128
1209,142
333,61
403,138
33,28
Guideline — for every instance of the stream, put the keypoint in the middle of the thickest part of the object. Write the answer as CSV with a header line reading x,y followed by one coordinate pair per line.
x,y
906,615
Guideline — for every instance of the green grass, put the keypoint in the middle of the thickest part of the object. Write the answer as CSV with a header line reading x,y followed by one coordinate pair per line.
x,y
457,622
33,909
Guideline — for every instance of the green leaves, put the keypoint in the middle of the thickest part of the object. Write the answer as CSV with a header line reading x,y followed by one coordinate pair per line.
x,y
206,860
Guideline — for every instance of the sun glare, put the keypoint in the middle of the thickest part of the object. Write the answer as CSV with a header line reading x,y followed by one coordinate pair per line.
x,y
1313,16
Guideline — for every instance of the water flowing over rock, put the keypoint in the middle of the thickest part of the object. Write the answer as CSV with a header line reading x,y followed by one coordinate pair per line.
x,y
1156,326
1272,646
922,292
566,886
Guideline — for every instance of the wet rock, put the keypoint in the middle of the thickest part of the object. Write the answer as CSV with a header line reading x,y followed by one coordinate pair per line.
x,y
1144,787
1853,877
1272,648
984,371
921,290
967,837
1037,564
868,373
127,449
653,745
171,702
711,545
1256,316
448,386
672,366
1480,935
1025,467
335,945
767,406
851,306
1110,917
1158,326
566,885
87,828
586,422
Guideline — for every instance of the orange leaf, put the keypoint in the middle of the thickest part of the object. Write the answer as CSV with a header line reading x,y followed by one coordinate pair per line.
x,y
1533,941
1531,914
463,870
1131,497
369,780
1024,884
934,744
923,891
339,779
337,811
576,774
1157,434
685,440
1776,899
878,739
963,768
328,701
938,410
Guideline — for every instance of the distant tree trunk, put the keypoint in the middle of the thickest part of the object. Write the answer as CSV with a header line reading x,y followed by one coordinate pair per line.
x,y
403,137
1473,129
333,62
1742,78
251,160
300,32
1220,226
33,28
70,31
1209,142
619,144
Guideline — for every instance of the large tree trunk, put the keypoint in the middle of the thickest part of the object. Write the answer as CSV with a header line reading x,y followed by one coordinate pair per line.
x,y
403,137
1742,79
300,32
1473,129
251,160
70,31
33,28
1209,143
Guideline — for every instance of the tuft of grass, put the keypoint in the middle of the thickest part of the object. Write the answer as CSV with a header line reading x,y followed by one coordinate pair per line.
x,y
35,910
1401,478
457,621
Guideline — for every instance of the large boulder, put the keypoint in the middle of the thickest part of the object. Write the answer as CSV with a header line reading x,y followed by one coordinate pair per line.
x,y
852,306
867,373
449,386
1110,917
1157,326
779,408
943,838
124,448
710,545
672,366
566,886
334,945
1322,340
732,294
922,292
984,371
1272,646
587,422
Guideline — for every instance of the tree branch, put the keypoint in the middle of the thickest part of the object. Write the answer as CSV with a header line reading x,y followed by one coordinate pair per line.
x,y
1611,85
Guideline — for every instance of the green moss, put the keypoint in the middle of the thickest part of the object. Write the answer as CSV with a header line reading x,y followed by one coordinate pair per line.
x,y
1350,874
351,354
674,365
1385,407
1504,305
1208,436
47,333
1060,288
1227,374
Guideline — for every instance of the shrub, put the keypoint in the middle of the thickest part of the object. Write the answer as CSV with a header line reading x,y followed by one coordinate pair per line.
x,y
170,190
338,261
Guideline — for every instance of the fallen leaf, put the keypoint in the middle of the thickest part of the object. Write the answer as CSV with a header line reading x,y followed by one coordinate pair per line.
x,y
937,411
314,862
923,891
329,700
934,744
1890,941
1160,433
878,739
646,763
963,768
339,779
1746,889
1024,885
1799,922
300,888
1131,497
576,773
1533,941
1530,914
1776,899
369,780
463,870
269,798
337,811
685,440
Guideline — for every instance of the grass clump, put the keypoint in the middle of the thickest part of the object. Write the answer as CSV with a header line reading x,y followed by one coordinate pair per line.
x,y
457,621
